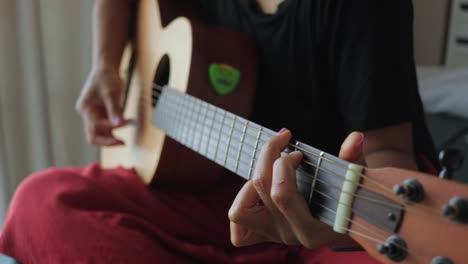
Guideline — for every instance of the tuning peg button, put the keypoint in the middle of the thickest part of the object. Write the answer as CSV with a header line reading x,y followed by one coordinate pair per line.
x,y
451,159
411,190
441,260
457,210
383,249
395,248
449,210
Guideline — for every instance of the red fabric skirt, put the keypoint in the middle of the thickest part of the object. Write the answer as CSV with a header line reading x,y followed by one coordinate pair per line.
x,y
92,215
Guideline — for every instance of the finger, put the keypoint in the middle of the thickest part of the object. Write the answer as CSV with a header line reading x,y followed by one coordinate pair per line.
x,y
106,141
289,201
246,211
111,97
242,236
270,152
351,149
94,112
101,133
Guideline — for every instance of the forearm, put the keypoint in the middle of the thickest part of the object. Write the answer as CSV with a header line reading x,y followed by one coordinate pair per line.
x,y
391,158
111,31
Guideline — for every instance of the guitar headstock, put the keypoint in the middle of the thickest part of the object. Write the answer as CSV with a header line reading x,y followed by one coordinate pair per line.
x,y
433,226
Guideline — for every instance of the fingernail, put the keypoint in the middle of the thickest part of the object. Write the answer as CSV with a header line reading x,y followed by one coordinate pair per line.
x,y
282,130
360,144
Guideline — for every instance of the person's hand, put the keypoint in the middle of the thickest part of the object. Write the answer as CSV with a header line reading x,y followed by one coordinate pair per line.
x,y
270,209
100,106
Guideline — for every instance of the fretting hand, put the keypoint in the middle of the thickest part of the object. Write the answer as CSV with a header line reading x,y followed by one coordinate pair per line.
x,y
270,209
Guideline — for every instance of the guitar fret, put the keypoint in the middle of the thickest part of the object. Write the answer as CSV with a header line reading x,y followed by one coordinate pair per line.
x,y
196,124
179,121
254,152
229,139
180,126
196,111
241,144
162,102
316,174
226,125
190,111
235,160
203,126
184,121
210,132
190,122
219,138
192,125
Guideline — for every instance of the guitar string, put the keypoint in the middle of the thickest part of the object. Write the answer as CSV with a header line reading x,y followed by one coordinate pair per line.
x,y
376,240
203,136
159,88
375,232
369,237
425,208
166,115
325,170
309,176
328,184
350,220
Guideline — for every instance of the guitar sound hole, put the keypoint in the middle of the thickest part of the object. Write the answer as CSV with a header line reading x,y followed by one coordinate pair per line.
x,y
162,72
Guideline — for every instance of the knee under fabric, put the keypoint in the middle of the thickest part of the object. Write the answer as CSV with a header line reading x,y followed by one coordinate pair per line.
x,y
94,215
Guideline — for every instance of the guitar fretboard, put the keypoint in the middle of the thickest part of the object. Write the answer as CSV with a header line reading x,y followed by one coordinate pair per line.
x,y
229,140
235,143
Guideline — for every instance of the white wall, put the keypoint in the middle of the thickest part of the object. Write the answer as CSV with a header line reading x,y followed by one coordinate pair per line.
x,y
45,55
3,183
430,29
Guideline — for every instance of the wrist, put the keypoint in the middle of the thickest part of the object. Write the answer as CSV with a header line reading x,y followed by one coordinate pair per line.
x,y
104,67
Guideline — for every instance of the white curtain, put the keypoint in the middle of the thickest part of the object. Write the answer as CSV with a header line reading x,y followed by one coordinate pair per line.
x,y
45,55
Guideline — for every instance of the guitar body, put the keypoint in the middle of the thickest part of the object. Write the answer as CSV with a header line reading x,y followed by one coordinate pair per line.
x,y
174,46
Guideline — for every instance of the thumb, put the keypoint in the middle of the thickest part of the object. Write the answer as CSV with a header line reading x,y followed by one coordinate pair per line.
x,y
352,148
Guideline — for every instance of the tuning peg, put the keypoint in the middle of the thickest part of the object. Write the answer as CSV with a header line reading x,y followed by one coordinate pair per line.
x,y
395,248
411,190
450,160
457,210
441,260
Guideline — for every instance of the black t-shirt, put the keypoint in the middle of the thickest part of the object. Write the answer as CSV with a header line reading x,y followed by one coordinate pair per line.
x,y
330,67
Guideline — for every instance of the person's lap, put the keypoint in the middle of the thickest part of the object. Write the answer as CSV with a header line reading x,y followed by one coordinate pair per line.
x,y
100,216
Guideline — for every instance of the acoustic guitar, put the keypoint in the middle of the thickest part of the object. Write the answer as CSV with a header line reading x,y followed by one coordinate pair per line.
x,y
199,118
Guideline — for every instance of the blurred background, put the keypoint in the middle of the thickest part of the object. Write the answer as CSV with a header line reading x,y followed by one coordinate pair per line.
x,y
45,55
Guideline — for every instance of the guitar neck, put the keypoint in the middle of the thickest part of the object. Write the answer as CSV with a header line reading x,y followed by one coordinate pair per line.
x,y
235,143
225,138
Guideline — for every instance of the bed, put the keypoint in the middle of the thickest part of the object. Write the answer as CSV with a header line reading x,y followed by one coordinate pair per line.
x,y
444,92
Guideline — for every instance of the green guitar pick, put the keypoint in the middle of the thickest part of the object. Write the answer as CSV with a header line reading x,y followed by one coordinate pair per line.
x,y
223,78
